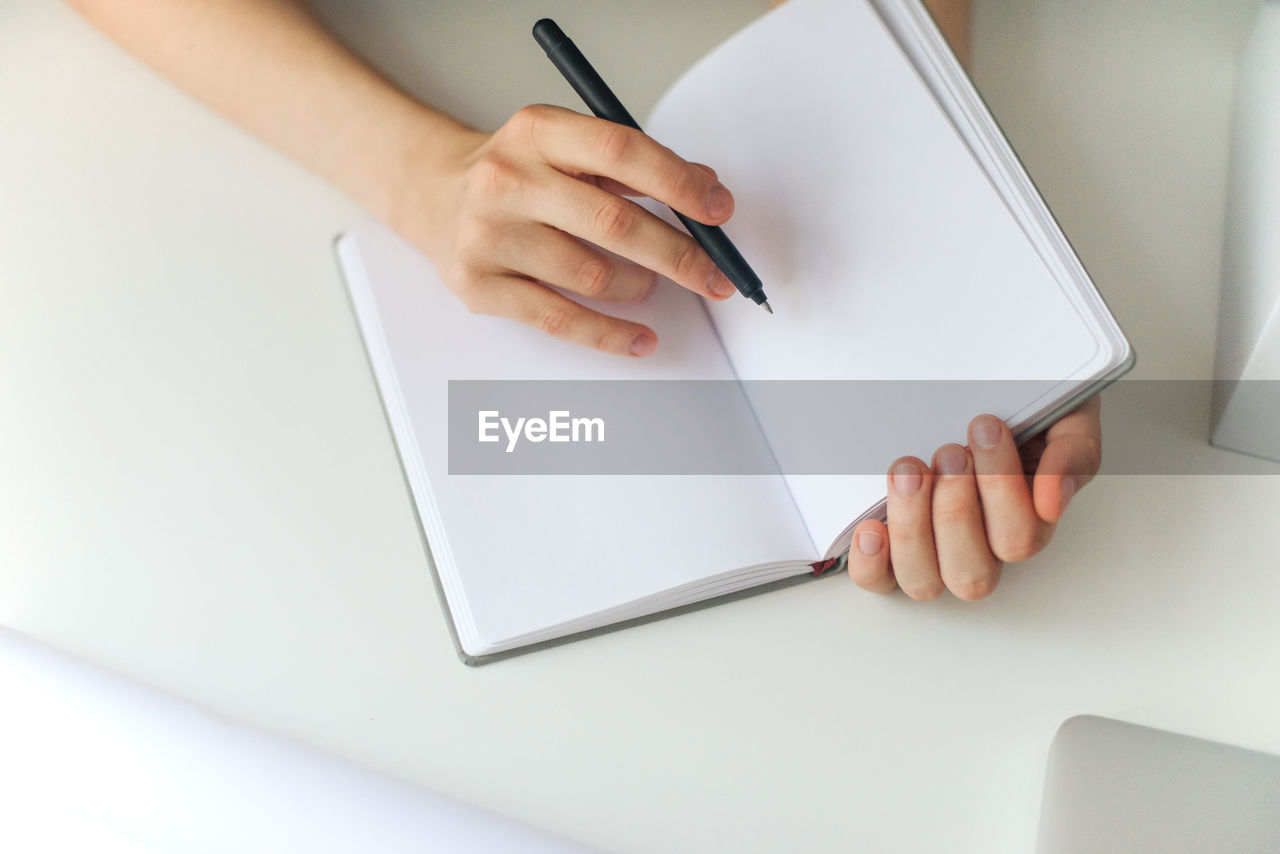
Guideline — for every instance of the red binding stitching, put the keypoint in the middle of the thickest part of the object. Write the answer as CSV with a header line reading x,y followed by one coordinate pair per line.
x,y
823,565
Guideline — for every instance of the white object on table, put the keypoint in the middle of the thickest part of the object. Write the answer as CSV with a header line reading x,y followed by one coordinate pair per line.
x,y
91,758
1247,394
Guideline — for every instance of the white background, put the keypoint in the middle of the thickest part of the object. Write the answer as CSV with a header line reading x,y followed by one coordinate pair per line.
x,y
197,486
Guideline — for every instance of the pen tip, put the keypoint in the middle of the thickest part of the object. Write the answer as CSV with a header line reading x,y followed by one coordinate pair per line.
x,y
767,307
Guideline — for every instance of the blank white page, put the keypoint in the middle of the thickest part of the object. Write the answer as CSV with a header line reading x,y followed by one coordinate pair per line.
x,y
885,250
518,554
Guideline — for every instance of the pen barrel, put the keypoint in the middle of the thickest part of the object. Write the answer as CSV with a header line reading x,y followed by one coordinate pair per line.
x,y
589,85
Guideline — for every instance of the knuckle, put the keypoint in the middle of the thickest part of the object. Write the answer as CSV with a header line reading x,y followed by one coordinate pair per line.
x,y
594,277
973,589
615,219
554,321
1012,545
495,176
530,118
614,142
1093,456
646,289
471,295
688,262
684,181
922,591
951,507
602,340
910,536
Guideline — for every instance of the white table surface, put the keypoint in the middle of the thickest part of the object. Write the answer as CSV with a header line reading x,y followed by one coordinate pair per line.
x,y
198,489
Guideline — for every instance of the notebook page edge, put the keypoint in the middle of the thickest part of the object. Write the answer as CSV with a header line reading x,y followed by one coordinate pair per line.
x,y
973,120
430,526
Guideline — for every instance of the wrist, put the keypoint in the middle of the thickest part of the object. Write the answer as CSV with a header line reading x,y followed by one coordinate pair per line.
x,y
430,151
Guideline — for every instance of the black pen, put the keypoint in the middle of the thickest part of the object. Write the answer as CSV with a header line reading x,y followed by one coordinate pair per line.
x,y
570,62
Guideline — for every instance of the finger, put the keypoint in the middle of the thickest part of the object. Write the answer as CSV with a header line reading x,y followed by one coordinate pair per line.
x,y
577,144
965,561
1071,457
551,256
610,185
869,557
1029,453
623,190
1014,531
915,561
542,308
624,228
615,187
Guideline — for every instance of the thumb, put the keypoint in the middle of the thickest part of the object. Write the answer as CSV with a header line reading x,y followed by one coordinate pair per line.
x,y
1072,454
1069,462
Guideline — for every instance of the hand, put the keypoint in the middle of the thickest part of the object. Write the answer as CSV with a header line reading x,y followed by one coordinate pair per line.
x,y
953,524
509,213
503,215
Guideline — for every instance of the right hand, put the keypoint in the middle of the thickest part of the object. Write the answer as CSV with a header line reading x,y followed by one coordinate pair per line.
x,y
504,215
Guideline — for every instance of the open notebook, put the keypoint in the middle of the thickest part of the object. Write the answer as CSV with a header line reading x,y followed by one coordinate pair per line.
x,y
880,204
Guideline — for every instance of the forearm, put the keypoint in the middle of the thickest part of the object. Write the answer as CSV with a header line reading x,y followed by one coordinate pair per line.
x,y
269,66
953,18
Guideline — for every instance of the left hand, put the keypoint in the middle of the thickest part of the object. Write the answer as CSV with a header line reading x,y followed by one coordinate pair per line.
x,y
955,523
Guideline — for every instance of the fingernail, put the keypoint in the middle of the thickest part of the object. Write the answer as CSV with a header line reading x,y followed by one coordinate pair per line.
x,y
985,431
718,283
906,478
644,344
869,543
952,459
1066,491
719,202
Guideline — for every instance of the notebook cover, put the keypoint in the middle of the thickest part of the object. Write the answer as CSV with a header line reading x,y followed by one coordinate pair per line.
x,y
840,548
